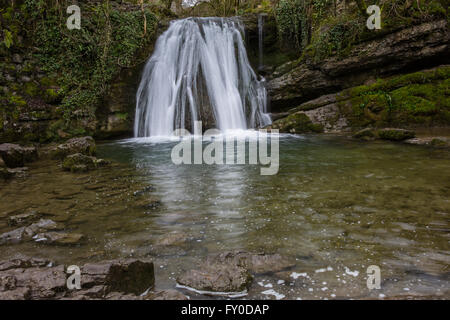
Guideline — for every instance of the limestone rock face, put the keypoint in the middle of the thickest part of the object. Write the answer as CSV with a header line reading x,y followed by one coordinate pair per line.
x,y
405,49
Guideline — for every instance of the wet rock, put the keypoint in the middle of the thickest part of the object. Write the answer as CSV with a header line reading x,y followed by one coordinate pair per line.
x,y
127,276
38,279
231,271
169,294
23,218
15,156
43,225
59,238
296,123
5,174
84,145
394,134
78,163
17,172
96,292
27,233
366,134
254,262
81,163
148,203
24,262
11,237
424,43
121,296
217,278
438,142
2,163
172,238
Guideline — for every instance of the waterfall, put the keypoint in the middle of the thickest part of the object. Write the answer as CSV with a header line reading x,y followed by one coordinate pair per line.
x,y
260,40
200,71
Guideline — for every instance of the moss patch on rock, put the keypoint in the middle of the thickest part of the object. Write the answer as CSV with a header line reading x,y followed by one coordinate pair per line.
x,y
416,99
297,123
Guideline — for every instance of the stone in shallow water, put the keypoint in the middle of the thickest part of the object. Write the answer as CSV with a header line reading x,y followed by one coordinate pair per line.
x,y
23,218
84,145
169,294
438,142
15,156
59,238
128,276
27,233
172,238
30,278
254,262
231,271
217,278
396,134
81,163
365,134
14,236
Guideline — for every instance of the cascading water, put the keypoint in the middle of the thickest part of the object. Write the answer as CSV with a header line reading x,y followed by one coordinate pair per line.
x,y
200,71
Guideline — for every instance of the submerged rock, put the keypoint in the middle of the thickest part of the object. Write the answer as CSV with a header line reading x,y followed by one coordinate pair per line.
x,y
27,233
172,238
59,238
231,271
219,278
394,134
81,163
15,156
437,142
23,218
366,134
254,262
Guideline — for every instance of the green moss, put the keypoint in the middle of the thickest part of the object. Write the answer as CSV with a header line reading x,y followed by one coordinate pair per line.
x,y
297,123
52,96
419,98
17,101
30,89
122,116
396,134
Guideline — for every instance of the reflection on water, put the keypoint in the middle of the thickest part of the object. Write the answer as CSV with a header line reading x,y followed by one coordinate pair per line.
x,y
336,206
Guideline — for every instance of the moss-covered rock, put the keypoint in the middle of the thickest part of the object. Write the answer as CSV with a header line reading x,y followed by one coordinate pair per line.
x,y
83,145
81,163
366,134
394,134
297,123
416,99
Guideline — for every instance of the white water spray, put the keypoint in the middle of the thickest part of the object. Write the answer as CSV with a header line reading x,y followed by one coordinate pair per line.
x,y
200,71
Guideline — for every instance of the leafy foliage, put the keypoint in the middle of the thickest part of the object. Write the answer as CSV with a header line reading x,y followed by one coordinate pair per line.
x,y
84,61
